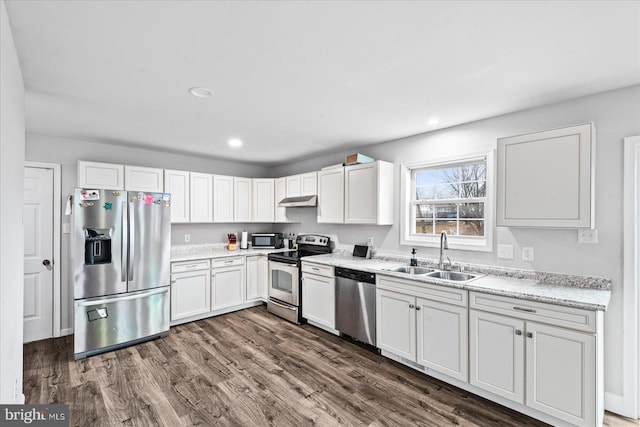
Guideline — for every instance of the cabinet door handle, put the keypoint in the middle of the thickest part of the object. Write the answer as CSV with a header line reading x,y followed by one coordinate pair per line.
x,y
411,306
528,310
173,281
417,307
518,332
529,335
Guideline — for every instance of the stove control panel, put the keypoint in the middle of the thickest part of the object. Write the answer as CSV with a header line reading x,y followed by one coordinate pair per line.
x,y
313,239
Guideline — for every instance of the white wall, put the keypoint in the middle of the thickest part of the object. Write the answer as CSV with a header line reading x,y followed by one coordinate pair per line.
x,y
67,152
12,128
616,114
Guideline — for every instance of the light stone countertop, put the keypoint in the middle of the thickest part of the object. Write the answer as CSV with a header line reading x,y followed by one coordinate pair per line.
x,y
523,284
218,250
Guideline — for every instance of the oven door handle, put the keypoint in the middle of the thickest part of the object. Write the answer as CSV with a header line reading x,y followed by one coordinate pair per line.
x,y
282,305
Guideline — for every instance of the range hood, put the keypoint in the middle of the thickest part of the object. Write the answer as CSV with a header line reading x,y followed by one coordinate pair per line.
x,y
298,201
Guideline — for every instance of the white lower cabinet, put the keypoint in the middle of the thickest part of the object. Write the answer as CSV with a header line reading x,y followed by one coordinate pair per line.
x,y
318,295
227,282
257,277
396,323
442,337
424,324
190,289
553,369
497,354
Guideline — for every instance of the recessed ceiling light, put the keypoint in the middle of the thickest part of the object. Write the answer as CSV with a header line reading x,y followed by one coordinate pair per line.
x,y
201,92
433,121
235,142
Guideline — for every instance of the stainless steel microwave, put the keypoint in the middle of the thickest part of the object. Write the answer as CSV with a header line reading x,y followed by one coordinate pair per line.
x,y
267,240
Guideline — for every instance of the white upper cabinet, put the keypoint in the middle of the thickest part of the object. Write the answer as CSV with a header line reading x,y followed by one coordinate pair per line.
x,y
201,197
309,184
368,196
138,178
331,196
263,200
302,185
280,190
105,176
545,179
177,183
242,199
222,198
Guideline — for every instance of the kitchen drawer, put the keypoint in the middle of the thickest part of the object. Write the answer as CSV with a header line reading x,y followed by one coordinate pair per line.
x,y
319,269
184,266
227,262
568,317
423,290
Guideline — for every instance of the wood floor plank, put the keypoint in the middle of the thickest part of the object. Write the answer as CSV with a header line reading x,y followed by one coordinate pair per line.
x,y
250,368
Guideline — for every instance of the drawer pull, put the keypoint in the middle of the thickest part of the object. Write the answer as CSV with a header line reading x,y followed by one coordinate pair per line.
x,y
191,266
315,269
529,335
229,262
518,332
528,310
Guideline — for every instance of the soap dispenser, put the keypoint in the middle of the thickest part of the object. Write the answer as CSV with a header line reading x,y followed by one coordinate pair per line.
x,y
414,261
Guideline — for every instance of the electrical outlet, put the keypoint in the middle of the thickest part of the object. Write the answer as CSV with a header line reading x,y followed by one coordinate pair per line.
x,y
187,238
527,253
587,235
370,242
66,228
505,251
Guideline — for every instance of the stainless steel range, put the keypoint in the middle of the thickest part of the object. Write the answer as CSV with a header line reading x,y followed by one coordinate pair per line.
x,y
285,277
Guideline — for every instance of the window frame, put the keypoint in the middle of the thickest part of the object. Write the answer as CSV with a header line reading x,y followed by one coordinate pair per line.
x,y
408,203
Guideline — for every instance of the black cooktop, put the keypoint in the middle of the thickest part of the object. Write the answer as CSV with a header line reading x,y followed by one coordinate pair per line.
x,y
308,244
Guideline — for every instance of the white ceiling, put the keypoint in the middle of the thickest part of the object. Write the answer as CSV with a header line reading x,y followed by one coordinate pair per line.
x,y
296,79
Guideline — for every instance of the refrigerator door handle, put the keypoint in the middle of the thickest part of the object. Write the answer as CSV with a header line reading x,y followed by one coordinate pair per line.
x,y
123,298
124,243
132,241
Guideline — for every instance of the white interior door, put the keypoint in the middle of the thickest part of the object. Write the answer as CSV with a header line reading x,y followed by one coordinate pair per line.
x,y
38,254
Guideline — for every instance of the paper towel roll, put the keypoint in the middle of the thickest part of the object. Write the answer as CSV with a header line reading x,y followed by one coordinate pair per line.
x,y
243,240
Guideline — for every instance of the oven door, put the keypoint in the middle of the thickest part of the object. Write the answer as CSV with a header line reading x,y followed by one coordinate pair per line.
x,y
284,282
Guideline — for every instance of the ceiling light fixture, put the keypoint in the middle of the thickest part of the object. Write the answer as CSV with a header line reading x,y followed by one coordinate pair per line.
x,y
201,92
235,142
433,121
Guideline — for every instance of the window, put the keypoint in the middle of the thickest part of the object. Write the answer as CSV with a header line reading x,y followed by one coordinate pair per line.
x,y
452,195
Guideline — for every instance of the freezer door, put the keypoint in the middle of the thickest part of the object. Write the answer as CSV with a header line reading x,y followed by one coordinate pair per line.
x,y
98,242
149,240
102,324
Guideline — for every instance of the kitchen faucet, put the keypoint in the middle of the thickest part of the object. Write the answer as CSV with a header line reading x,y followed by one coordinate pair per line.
x,y
444,244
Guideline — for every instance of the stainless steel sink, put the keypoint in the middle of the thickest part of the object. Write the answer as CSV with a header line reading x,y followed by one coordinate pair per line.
x,y
454,276
410,270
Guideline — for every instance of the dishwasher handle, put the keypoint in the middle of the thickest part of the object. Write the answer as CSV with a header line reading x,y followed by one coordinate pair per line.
x,y
358,276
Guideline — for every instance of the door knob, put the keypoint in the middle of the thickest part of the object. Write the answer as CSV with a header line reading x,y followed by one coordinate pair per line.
x,y
47,264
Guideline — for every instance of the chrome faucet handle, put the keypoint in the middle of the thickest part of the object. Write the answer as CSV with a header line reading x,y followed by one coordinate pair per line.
x,y
447,265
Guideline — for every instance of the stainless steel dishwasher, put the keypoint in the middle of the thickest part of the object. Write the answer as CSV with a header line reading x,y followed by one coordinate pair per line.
x,y
356,304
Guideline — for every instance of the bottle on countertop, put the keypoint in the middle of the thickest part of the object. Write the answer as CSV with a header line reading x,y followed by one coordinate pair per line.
x,y
414,261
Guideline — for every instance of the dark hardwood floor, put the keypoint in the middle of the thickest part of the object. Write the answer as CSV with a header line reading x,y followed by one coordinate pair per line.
x,y
250,368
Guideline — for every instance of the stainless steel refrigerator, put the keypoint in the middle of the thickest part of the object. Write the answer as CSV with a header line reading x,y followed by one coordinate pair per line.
x,y
121,244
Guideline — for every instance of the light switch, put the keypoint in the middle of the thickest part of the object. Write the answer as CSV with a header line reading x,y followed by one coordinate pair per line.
x,y
187,238
505,251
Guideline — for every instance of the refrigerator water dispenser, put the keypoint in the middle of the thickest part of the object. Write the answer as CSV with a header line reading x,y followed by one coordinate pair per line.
x,y
97,246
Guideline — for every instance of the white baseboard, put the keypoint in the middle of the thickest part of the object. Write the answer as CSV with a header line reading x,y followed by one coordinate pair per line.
x,y
66,331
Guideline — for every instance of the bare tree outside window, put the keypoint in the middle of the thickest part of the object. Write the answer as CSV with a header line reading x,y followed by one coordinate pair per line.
x,y
451,198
